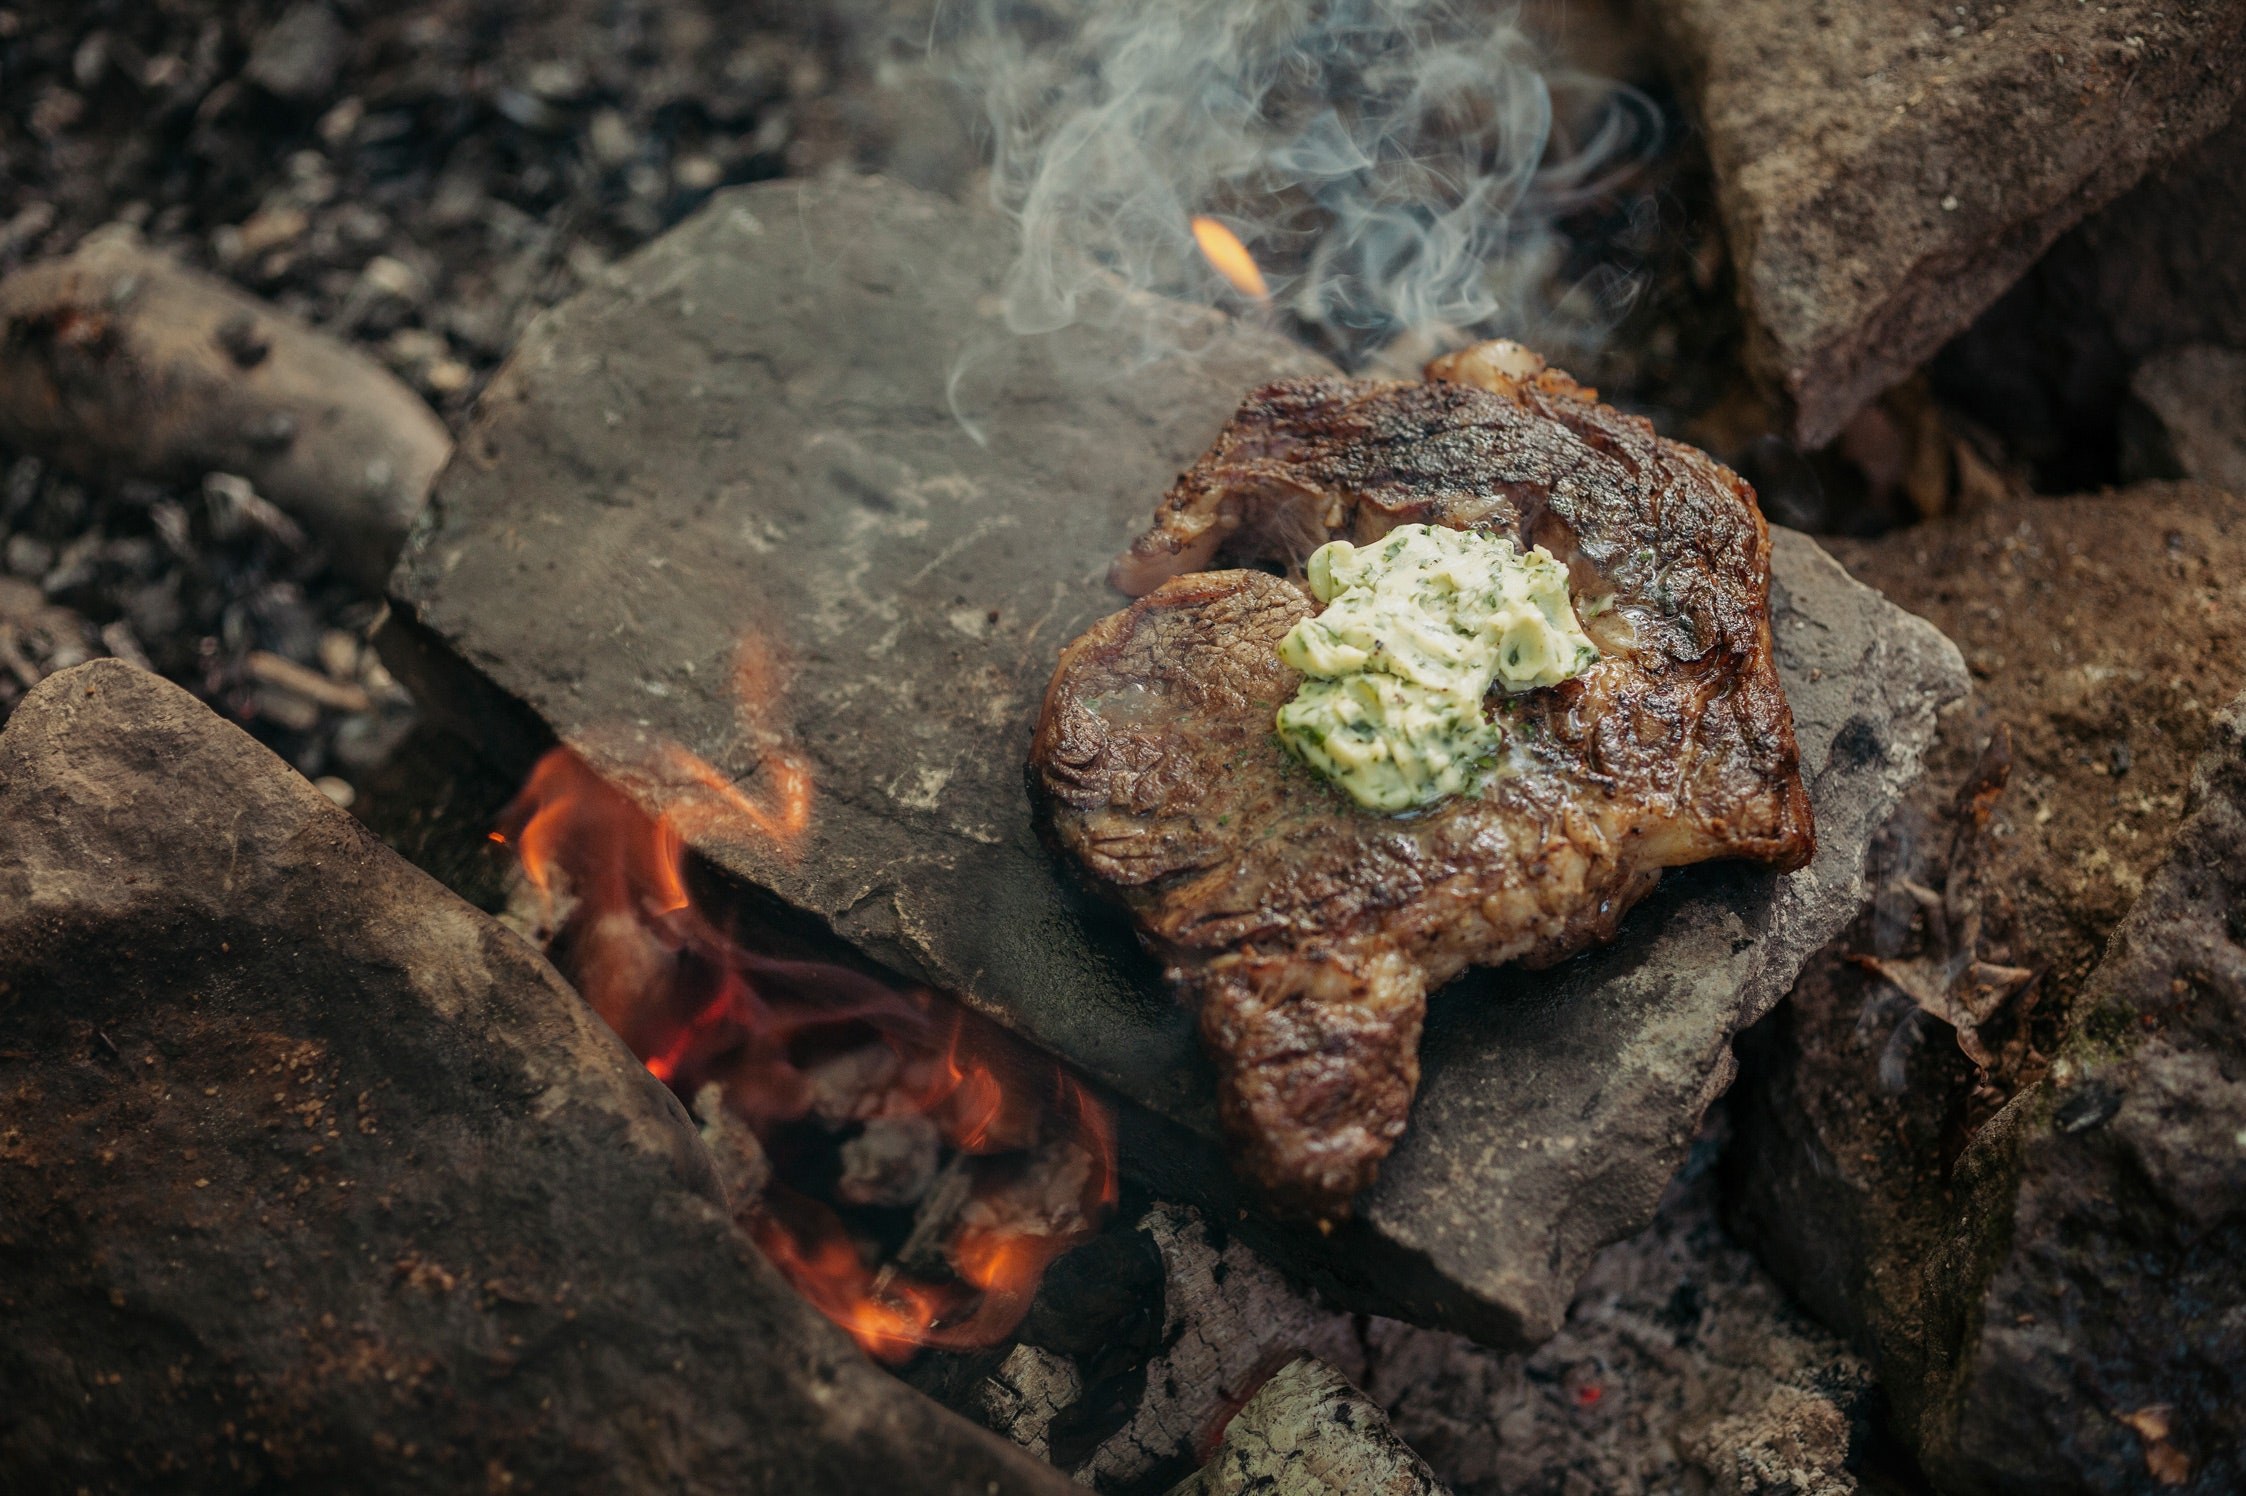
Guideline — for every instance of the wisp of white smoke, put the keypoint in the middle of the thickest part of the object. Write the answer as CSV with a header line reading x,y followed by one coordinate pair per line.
x,y
1391,164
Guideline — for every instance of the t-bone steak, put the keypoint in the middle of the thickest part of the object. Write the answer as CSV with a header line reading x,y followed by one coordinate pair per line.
x,y
1309,931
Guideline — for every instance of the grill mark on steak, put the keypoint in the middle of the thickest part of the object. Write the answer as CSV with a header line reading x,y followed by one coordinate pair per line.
x,y
1308,930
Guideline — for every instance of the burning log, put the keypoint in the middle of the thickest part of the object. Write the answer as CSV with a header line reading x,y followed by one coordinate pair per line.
x,y
313,1178
118,362
1229,1320
1029,1389
770,1047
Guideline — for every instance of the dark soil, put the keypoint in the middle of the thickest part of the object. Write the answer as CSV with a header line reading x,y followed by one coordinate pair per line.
x,y
2105,631
419,179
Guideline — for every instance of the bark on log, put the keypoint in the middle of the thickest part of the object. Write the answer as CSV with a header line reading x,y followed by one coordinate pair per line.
x,y
1309,1433
117,362
313,1178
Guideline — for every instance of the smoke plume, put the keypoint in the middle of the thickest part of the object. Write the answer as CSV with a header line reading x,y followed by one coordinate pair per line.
x,y
1393,165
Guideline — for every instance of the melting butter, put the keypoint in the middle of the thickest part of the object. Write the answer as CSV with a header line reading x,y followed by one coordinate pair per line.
x,y
1416,629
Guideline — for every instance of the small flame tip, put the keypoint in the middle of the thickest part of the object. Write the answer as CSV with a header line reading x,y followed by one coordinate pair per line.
x,y
1230,258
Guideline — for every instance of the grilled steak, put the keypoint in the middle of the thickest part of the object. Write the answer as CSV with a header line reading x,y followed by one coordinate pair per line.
x,y
1309,930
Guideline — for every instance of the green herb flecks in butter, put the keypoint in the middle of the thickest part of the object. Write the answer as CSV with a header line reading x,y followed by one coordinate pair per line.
x,y
1416,629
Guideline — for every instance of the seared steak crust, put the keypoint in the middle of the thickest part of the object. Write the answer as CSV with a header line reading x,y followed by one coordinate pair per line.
x,y
1309,930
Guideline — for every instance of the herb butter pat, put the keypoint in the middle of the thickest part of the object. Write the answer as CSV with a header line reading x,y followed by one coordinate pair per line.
x,y
1416,629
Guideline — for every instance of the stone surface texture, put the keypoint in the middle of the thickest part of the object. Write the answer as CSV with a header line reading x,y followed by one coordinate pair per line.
x,y
2050,1292
1886,171
784,497
313,1178
2196,398
2056,1308
1307,1432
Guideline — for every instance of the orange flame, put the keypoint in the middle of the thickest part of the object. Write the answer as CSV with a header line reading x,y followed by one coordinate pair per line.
x,y
713,803
700,1008
1223,250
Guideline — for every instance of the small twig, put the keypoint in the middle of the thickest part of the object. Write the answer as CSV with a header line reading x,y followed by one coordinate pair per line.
x,y
301,680
1950,981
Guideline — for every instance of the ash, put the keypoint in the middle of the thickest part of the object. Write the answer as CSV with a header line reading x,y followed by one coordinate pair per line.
x,y
1682,1367
416,180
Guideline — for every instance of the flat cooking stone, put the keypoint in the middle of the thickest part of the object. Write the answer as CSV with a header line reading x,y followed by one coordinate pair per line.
x,y
740,462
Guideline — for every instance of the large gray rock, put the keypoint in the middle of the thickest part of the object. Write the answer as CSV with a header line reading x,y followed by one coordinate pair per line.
x,y
1885,171
313,1178
789,446
2058,1308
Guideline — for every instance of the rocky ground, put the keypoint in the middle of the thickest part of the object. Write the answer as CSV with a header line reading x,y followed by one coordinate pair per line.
x,y
420,180
2106,632
1681,1368
2003,1082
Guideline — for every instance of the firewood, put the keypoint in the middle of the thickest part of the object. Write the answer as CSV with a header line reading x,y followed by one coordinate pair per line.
x,y
117,362
1308,1432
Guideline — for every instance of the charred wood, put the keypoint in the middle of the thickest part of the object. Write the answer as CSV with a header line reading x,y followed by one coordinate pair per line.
x,y
117,362
1308,1432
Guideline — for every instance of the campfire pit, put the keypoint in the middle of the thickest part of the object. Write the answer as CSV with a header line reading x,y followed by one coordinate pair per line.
x,y
313,1177
784,500
746,579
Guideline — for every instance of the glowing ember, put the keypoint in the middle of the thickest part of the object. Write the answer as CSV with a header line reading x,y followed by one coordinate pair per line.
x,y
1224,250
795,1047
